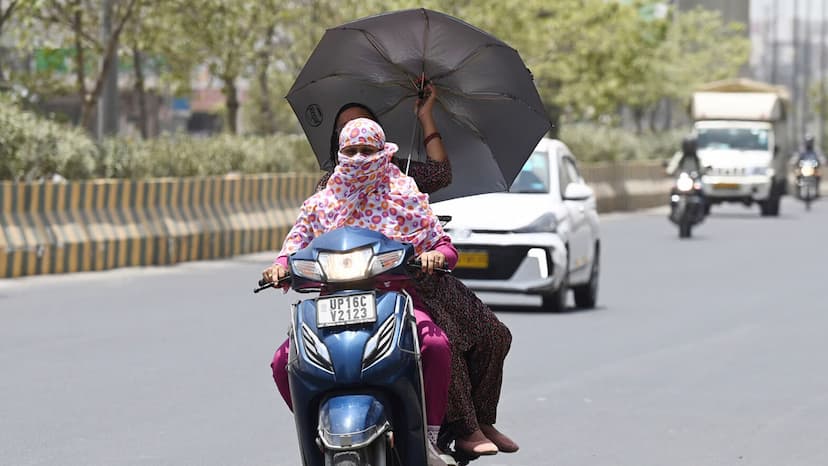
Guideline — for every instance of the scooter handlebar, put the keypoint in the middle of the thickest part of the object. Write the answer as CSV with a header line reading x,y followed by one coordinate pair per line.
x,y
418,265
264,284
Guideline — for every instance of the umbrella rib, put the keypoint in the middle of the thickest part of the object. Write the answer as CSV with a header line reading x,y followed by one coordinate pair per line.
x,y
473,54
375,43
499,96
355,77
425,42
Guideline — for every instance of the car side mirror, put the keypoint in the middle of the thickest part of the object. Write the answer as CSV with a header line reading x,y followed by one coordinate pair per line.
x,y
444,219
577,192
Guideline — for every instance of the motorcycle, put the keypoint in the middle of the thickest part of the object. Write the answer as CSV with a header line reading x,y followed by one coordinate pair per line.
x,y
807,181
354,366
687,204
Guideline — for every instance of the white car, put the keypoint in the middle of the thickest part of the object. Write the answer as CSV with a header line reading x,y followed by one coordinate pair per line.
x,y
540,238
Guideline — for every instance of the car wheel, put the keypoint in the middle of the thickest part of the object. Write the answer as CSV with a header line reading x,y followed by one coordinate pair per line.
x,y
586,295
556,301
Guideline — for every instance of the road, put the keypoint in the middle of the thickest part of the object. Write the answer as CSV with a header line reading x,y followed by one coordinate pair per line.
x,y
704,352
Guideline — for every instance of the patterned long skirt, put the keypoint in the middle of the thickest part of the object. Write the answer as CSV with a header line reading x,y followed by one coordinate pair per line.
x,y
479,345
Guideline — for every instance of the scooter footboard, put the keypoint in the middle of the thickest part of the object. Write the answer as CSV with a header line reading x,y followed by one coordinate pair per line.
x,y
350,422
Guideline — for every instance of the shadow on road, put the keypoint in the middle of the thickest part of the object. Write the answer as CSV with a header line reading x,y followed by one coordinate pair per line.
x,y
528,309
749,215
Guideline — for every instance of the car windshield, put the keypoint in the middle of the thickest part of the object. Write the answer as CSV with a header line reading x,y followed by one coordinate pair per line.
x,y
733,138
534,176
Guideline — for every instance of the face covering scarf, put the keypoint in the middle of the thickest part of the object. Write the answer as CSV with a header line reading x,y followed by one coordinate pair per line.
x,y
367,191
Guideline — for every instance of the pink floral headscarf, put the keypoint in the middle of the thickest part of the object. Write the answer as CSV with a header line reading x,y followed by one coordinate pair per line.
x,y
367,191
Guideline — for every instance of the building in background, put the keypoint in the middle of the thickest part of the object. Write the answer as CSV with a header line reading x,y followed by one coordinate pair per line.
x,y
788,39
732,10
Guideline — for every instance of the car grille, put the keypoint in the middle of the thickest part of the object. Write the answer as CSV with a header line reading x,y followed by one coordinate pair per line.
x,y
737,171
503,262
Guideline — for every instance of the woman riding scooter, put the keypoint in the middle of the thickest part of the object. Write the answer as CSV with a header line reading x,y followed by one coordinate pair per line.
x,y
367,190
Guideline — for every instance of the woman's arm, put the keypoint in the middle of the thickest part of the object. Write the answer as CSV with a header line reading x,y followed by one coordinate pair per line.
x,y
301,234
433,142
448,250
430,176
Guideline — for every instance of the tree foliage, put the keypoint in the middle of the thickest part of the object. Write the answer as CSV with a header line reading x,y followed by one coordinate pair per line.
x,y
589,58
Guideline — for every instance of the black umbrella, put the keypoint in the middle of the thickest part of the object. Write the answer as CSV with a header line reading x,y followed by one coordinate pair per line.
x,y
488,111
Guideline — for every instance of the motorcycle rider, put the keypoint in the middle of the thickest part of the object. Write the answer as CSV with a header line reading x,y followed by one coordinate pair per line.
x,y
689,162
810,152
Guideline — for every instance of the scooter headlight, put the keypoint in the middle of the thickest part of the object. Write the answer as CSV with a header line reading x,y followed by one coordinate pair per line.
x,y
344,267
306,269
808,170
684,183
386,261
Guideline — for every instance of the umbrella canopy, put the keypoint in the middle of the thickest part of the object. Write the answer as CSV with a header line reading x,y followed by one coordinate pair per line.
x,y
488,110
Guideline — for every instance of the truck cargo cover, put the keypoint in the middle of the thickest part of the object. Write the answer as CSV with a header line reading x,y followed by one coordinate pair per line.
x,y
754,106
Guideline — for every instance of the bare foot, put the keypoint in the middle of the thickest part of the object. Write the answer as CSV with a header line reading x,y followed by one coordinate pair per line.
x,y
503,443
476,443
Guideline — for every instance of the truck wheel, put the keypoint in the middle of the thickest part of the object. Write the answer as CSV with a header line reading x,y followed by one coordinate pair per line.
x,y
770,206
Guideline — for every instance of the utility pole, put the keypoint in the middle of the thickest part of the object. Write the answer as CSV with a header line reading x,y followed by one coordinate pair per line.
x,y
774,72
108,103
806,72
795,73
822,96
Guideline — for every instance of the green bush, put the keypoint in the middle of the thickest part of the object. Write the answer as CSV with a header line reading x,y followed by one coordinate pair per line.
x,y
597,143
33,147
181,155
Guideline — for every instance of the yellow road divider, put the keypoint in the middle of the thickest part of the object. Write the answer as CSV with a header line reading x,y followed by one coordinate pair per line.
x,y
103,224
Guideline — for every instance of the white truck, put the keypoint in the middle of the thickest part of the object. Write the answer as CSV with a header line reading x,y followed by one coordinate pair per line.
x,y
742,135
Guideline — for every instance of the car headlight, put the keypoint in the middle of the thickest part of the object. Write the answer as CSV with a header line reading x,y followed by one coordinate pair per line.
x,y
344,267
380,343
546,223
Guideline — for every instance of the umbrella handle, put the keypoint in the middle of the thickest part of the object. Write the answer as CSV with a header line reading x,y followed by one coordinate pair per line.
x,y
421,84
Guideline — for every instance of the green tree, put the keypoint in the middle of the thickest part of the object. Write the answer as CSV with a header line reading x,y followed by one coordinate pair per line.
x,y
226,34
6,11
154,45
77,25
299,27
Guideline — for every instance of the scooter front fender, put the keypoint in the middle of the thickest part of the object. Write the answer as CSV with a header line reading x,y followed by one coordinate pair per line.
x,y
350,422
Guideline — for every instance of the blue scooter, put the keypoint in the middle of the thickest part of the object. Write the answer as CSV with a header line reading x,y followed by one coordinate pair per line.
x,y
354,364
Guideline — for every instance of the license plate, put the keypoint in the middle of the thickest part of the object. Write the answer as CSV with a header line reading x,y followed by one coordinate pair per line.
x,y
473,260
726,186
346,310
